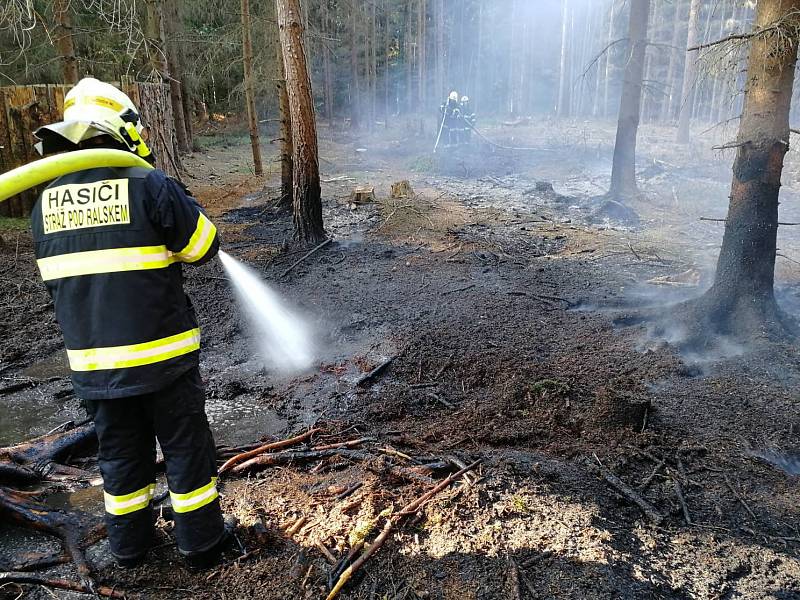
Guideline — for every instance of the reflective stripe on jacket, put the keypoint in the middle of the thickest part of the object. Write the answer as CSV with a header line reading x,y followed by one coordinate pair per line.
x,y
109,245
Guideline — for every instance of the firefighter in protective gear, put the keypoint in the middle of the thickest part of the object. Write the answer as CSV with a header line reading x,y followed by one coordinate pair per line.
x,y
110,245
468,118
451,120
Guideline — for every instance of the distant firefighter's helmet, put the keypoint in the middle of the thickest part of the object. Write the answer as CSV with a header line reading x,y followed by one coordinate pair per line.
x,y
464,99
454,96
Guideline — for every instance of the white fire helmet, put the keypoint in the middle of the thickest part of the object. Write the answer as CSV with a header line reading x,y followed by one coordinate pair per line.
x,y
93,108
453,96
464,99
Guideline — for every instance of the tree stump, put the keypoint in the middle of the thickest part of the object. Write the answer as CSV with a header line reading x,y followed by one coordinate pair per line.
x,y
362,195
402,189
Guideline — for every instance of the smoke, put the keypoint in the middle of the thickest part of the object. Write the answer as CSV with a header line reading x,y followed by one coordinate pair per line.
x,y
788,463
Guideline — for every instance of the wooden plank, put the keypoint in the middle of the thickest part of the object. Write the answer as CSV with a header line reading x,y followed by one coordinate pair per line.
x,y
5,146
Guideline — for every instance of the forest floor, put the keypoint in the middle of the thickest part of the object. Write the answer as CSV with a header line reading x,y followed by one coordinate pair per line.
x,y
506,305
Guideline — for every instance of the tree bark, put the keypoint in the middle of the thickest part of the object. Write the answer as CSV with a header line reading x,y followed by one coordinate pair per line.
x,y
623,173
287,148
689,74
249,94
742,298
64,41
307,201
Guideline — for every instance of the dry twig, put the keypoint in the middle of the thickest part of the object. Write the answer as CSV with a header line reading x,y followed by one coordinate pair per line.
x,y
266,448
391,523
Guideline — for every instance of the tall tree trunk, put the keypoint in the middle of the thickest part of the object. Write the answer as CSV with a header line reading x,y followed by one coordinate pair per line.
x,y
154,38
387,42
287,148
307,201
672,70
328,28
564,84
602,64
742,298
422,60
249,94
623,173
689,74
409,57
647,78
721,76
64,41
608,59
372,43
355,87
440,51
477,78
175,66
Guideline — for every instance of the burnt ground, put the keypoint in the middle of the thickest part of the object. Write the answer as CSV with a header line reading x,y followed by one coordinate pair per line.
x,y
509,308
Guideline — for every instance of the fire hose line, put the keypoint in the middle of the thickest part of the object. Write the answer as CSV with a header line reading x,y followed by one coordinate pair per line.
x,y
47,169
495,144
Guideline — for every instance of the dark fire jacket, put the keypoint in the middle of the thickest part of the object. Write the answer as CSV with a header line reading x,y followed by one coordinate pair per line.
x,y
109,245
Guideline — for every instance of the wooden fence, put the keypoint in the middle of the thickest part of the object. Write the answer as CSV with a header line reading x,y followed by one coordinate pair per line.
x,y
25,108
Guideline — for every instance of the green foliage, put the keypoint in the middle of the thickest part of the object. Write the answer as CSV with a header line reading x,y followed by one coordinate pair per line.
x,y
14,224
425,163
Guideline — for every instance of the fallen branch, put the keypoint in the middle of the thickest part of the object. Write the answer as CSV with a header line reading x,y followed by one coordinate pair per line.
x,y
391,523
266,448
679,493
349,444
648,509
461,289
349,491
36,459
59,584
76,530
739,498
40,560
282,458
646,483
325,552
306,255
441,400
367,377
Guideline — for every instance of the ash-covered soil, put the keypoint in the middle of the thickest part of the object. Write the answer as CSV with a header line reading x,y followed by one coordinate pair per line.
x,y
504,307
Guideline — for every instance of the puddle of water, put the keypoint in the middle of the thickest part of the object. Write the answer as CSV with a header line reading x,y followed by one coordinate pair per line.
x,y
242,420
55,365
88,500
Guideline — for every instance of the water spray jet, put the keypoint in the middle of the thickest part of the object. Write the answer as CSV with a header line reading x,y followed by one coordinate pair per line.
x,y
283,339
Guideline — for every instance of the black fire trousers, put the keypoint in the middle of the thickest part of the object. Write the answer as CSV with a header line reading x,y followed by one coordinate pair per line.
x,y
127,429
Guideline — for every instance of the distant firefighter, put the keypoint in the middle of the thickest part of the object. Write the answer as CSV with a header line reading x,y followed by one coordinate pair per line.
x,y
452,122
468,118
